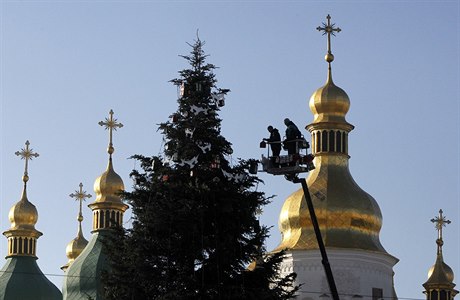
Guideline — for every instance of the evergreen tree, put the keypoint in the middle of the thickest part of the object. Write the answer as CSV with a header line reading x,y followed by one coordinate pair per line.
x,y
195,229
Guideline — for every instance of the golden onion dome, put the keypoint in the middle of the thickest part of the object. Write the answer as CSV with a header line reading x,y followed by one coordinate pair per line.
x,y
23,215
440,272
348,216
108,186
76,246
329,103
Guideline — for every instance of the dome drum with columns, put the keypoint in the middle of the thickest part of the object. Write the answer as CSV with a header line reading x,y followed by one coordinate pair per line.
x,y
84,273
440,284
21,266
349,218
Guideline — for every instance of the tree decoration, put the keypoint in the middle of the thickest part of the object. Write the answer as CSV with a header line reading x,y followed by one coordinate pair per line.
x,y
195,231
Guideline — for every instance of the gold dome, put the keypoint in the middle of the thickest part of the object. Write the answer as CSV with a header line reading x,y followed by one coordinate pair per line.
x,y
329,103
23,215
108,186
440,272
76,246
348,216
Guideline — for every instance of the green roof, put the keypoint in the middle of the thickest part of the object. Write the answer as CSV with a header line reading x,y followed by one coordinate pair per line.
x,y
82,281
21,278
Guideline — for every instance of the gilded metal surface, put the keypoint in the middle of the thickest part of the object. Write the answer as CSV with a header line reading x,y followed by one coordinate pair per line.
x,y
76,246
329,103
440,274
329,29
110,124
109,185
347,215
23,215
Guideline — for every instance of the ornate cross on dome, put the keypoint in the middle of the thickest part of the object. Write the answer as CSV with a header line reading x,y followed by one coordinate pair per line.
x,y
329,29
440,222
80,196
110,124
26,154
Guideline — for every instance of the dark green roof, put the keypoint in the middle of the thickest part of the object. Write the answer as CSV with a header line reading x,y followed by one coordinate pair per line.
x,y
21,278
82,281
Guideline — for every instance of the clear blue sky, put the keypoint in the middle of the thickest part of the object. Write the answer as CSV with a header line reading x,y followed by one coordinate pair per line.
x,y
65,64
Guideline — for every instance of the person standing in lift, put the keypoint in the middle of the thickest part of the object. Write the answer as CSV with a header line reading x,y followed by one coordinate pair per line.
x,y
292,134
274,140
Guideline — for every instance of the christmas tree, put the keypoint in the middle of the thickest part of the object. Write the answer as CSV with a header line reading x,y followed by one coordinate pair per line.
x,y
195,229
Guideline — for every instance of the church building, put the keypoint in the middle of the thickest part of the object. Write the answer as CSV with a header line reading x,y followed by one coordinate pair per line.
x,y
349,219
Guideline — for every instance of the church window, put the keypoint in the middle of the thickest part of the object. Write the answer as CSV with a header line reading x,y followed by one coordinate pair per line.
x,y
15,245
101,220
324,144
26,246
107,219
112,218
339,141
377,294
443,295
434,295
21,251
345,142
332,141
318,142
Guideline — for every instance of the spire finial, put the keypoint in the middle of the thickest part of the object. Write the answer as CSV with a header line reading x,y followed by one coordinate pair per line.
x,y
329,29
80,196
440,222
26,154
110,124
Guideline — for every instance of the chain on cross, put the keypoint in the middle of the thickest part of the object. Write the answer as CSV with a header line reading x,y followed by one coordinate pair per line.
x,y
110,124
329,29
80,196
26,154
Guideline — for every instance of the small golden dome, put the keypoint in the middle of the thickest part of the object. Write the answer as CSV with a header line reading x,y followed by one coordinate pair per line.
x,y
23,215
440,273
76,246
443,269
108,186
329,103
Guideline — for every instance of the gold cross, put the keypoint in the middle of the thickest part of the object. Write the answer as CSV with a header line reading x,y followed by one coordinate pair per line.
x,y
110,124
440,222
80,196
329,29
26,154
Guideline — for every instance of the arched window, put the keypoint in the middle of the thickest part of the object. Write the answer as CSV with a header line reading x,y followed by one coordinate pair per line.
x,y
96,220
21,250
101,220
345,142
107,219
113,221
331,141
26,246
15,245
324,142
318,141
339,141
443,295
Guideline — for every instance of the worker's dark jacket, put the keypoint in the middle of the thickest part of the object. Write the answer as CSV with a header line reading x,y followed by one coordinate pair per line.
x,y
275,137
292,132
